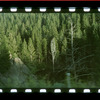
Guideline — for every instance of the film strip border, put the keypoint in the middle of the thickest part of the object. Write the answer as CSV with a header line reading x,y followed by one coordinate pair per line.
x,y
50,90
50,3
50,10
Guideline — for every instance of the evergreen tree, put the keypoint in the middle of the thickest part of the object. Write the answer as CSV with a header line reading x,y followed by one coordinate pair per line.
x,y
12,45
24,52
85,25
45,48
38,49
31,50
78,33
63,41
19,42
33,37
64,46
4,57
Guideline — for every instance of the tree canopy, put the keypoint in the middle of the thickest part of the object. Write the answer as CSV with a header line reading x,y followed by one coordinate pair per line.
x,y
52,44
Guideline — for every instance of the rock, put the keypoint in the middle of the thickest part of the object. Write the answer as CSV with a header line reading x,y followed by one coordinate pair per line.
x,y
18,61
16,75
21,66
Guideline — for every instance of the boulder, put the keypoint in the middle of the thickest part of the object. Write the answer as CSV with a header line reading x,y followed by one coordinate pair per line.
x,y
17,75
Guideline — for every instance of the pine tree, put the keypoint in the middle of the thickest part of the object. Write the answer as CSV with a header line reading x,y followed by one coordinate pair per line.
x,y
12,44
85,25
24,52
78,33
31,50
64,46
19,41
53,31
93,19
33,38
4,57
38,49
45,48
22,29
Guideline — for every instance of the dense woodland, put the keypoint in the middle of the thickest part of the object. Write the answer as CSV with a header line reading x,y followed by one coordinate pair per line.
x,y
50,45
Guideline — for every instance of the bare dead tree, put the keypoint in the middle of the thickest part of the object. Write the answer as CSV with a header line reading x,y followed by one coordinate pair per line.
x,y
77,64
72,48
75,50
53,51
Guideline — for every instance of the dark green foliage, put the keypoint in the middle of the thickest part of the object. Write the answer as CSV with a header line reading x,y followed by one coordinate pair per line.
x,y
31,50
28,36
24,52
4,57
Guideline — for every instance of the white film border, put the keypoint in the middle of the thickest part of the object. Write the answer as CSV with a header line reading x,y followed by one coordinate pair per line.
x,y
13,90
86,91
1,91
56,9
13,9
44,9
43,90
28,9
1,9
28,90
56,91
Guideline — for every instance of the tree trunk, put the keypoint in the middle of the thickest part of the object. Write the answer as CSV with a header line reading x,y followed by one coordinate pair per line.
x,y
53,63
72,53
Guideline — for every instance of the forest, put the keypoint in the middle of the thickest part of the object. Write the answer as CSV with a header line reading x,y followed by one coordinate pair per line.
x,y
49,50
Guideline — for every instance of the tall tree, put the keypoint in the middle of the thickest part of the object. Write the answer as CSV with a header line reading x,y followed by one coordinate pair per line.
x,y
78,33
19,41
64,46
31,50
38,49
45,48
72,49
12,45
24,52
4,57
53,51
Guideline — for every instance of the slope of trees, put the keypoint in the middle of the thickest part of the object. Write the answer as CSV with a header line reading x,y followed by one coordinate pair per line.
x,y
51,45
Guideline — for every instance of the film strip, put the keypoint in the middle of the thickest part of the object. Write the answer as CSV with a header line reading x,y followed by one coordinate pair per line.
x,y
50,90
66,84
50,10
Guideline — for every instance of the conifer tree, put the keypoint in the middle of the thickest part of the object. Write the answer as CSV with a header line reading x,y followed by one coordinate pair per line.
x,y
64,46
24,52
38,49
31,50
53,39
78,33
45,48
19,41
12,44
85,25
33,36
4,57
